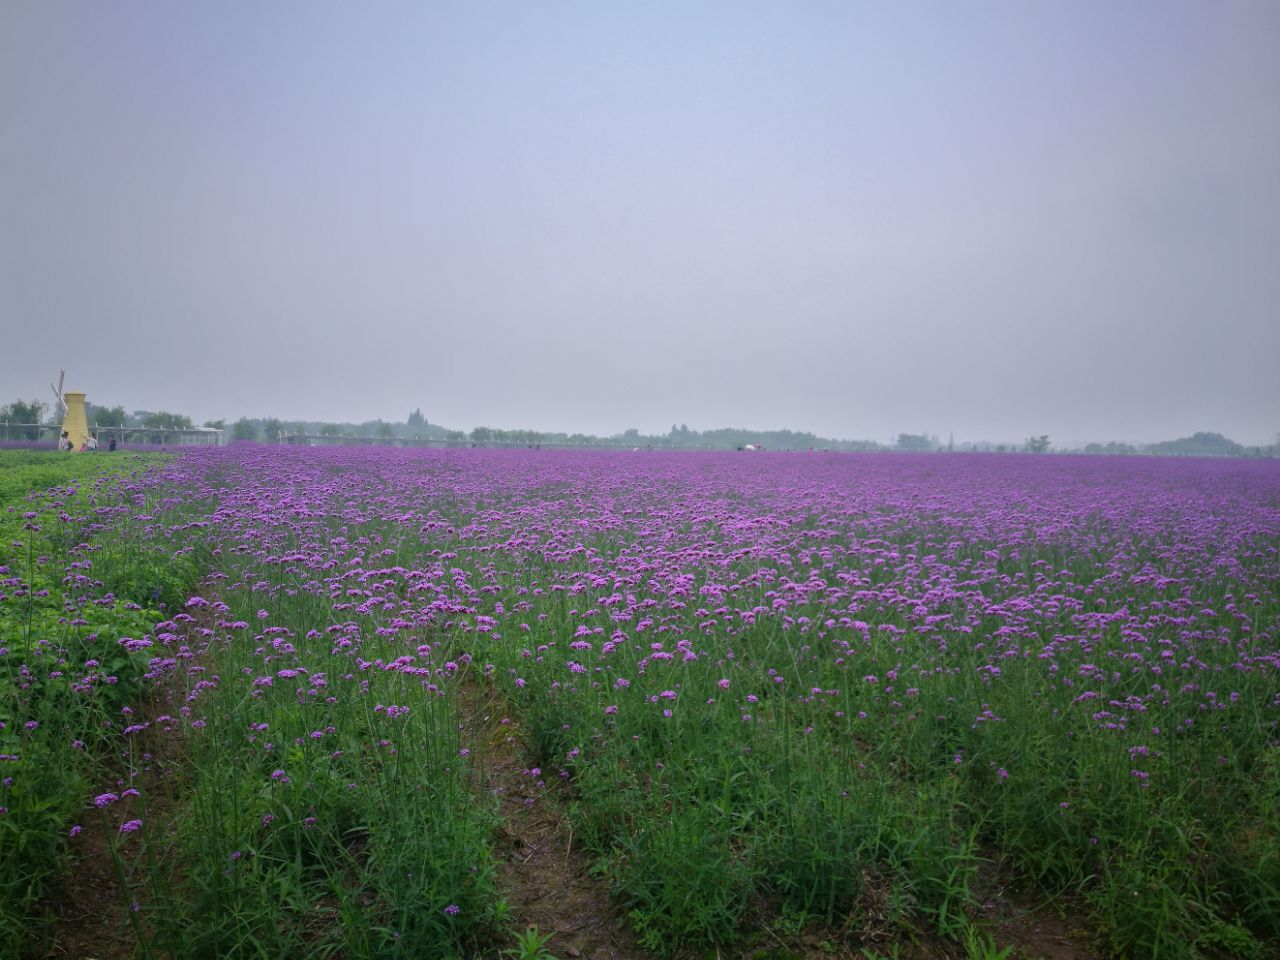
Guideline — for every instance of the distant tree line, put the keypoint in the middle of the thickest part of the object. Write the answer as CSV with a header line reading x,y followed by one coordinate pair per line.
x,y
274,430
18,421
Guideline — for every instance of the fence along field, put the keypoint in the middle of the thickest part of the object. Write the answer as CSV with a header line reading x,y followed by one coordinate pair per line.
x,y
797,688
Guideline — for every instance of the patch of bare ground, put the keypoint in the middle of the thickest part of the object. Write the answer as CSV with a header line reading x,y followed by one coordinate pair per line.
x,y
543,876
92,921
1043,931
87,903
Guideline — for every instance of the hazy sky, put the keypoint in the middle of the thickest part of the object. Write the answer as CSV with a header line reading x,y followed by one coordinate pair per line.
x,y
986,219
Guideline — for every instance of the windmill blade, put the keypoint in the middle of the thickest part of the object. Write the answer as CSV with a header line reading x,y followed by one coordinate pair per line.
x,y
61,406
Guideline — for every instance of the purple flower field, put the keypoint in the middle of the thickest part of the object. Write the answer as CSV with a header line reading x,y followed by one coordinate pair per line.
x,y
799,679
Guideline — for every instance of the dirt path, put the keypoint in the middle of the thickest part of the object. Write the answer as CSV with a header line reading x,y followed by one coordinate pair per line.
x,y
88,904
90,919
544,875
1033,931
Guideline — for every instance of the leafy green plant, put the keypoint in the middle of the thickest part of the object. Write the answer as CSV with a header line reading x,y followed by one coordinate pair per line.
x,y
982,946
531,945
1232,940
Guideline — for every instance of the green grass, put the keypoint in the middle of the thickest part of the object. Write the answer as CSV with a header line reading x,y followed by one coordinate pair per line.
x,y
64,677
324,796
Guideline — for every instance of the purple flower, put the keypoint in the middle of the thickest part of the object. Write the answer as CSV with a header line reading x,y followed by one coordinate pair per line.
x,y
129,826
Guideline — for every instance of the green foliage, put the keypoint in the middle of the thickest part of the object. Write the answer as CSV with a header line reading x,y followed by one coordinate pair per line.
x,y
914,442
152,577
108,417
1198,445
1227,939
45,790
272,429
163,424
65,676
28,413
1038,444
531,945
243,429
981,946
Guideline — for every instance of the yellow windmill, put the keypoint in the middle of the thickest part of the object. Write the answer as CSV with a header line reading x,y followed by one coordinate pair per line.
x,y
70,408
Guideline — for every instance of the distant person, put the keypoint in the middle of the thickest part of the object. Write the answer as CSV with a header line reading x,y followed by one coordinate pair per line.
x,y
111,444
92,443
64,441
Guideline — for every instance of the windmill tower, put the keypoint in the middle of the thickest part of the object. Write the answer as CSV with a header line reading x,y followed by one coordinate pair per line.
x,y
69,407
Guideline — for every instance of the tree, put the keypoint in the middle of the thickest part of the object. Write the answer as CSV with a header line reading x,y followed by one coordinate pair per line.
x,y
26,419
244,429
109,417
271,429
416,422
216,424
1198,445
385,430
681,436
330,430
162,425
1038,444
915,442
163,420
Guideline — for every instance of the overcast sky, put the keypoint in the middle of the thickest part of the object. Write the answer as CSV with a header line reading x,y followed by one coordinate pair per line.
x,y
986,219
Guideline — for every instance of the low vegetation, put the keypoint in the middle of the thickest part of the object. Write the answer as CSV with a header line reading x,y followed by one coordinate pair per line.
x,y
821,692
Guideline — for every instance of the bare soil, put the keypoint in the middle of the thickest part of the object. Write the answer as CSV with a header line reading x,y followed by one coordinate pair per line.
x,y
88,904
1034,930
90,908
545,879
